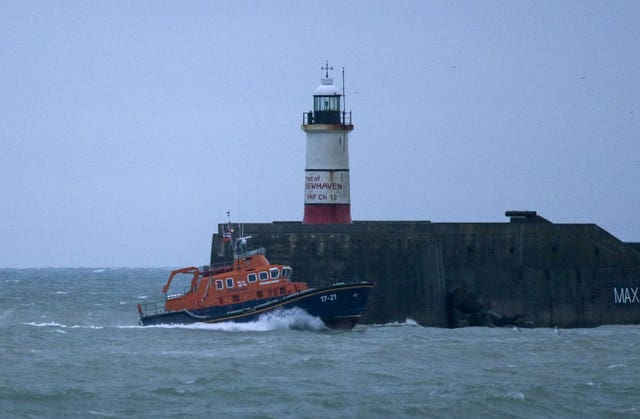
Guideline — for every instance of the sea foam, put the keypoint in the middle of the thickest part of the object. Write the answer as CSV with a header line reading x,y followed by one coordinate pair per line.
x,y
294,319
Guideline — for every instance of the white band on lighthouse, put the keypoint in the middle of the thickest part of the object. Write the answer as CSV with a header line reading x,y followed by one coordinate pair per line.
x,y
326,187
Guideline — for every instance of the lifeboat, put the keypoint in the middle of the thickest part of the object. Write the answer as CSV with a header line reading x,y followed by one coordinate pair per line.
x,y
249,286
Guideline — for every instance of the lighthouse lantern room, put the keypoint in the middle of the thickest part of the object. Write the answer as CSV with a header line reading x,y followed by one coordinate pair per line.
x,y
327,198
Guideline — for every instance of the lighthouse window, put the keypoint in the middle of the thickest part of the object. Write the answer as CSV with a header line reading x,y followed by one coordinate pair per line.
x,y
219,284
335,103
229,282
263,276
252,277
273,272
326,103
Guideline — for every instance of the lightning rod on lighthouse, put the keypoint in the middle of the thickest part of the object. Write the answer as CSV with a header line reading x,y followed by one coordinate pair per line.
x,y
327,198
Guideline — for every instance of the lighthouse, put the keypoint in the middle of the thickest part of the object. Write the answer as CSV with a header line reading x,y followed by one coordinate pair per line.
x,y
326,187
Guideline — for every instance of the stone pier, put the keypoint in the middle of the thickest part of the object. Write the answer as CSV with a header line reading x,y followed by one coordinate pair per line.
x,y
526,272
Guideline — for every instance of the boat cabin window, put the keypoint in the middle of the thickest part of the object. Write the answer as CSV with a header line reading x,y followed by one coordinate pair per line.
x,y
229,282
219,284
286,272
274,273
263,276
252,277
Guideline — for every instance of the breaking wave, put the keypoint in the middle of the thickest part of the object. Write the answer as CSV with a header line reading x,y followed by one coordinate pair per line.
x,y
408,322
292,319
63,326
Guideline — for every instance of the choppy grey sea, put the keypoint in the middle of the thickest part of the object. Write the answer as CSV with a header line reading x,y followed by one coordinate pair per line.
x,y
71,346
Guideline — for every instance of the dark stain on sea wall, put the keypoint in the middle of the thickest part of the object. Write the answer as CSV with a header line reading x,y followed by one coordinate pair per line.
x,y
527,272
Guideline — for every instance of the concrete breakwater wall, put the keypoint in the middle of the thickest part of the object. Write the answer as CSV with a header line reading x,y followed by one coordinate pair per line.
x,y
458,274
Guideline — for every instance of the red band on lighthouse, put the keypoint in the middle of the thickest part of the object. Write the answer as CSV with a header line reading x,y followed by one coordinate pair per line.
x,y
327,214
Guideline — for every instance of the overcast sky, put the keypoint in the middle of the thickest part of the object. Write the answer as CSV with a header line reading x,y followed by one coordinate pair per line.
x,y
128,129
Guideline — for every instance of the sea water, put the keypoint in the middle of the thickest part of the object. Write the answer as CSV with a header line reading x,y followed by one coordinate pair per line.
x,y
71,346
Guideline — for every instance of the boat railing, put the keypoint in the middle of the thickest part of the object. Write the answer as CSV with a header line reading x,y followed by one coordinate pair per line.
x,y
216,268
151,308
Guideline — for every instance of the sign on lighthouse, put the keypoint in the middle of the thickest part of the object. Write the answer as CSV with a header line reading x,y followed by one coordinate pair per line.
x,y
326,192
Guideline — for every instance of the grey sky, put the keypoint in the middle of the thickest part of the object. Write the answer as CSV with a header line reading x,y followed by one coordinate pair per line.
x,y
128,129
